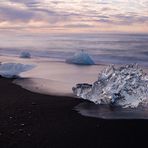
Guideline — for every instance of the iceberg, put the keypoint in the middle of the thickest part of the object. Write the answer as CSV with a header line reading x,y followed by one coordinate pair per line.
x,y
80,58
25,54
11,70
125,86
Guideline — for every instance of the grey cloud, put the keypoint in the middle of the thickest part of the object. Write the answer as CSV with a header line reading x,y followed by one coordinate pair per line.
x,y
33,6
130,19
108,9
25,1
105,21
12,14
53,16
103,16
78,26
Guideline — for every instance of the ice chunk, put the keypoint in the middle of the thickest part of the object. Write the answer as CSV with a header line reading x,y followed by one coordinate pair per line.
x,y
80,58
10,70
125,86
25,54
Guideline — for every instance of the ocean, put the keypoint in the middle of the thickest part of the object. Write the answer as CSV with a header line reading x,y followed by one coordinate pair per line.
x,y
104,48
53,76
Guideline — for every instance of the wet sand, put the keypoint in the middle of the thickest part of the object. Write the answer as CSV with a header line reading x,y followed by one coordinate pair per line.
x,y
42,121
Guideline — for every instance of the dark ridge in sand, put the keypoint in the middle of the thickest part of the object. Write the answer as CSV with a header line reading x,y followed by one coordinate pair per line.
x,y
39,121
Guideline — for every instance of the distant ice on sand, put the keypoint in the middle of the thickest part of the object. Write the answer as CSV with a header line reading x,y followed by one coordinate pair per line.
x,y
25,54
80,58
11,70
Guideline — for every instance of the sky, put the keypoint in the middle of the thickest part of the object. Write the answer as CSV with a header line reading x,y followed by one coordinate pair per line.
x,y
73,16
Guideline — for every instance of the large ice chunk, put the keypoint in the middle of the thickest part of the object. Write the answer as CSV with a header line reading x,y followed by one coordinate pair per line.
x,y
25,54
80,58
126,86
10,70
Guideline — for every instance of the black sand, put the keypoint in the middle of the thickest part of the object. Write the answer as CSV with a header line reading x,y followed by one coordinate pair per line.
x,y
39,121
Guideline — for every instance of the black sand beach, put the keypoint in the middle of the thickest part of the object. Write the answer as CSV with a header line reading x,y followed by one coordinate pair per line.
x,y
39,121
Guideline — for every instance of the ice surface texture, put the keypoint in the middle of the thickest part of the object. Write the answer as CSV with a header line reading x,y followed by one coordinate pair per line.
x,y
125,86
10,70
25,54
80,58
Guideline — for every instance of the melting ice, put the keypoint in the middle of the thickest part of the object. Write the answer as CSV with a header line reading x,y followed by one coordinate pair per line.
x,y
125,86
80,58
10,70
25,54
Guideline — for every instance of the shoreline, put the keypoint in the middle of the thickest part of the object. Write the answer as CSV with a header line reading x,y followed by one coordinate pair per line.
x,y
35,120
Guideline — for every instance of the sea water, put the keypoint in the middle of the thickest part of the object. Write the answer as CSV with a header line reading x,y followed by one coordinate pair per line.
x,y
52,75
104,48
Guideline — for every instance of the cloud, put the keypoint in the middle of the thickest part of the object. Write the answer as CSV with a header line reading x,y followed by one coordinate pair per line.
x,y
130,19
13,14
78,26
104,9
16,14
77,14
105,21
25,1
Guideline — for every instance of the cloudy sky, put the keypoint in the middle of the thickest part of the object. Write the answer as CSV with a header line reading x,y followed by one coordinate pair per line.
x,y
76,16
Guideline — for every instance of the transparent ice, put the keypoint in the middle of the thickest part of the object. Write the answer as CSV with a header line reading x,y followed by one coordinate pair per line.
x,y
10,70
80,58
25,54
125,86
